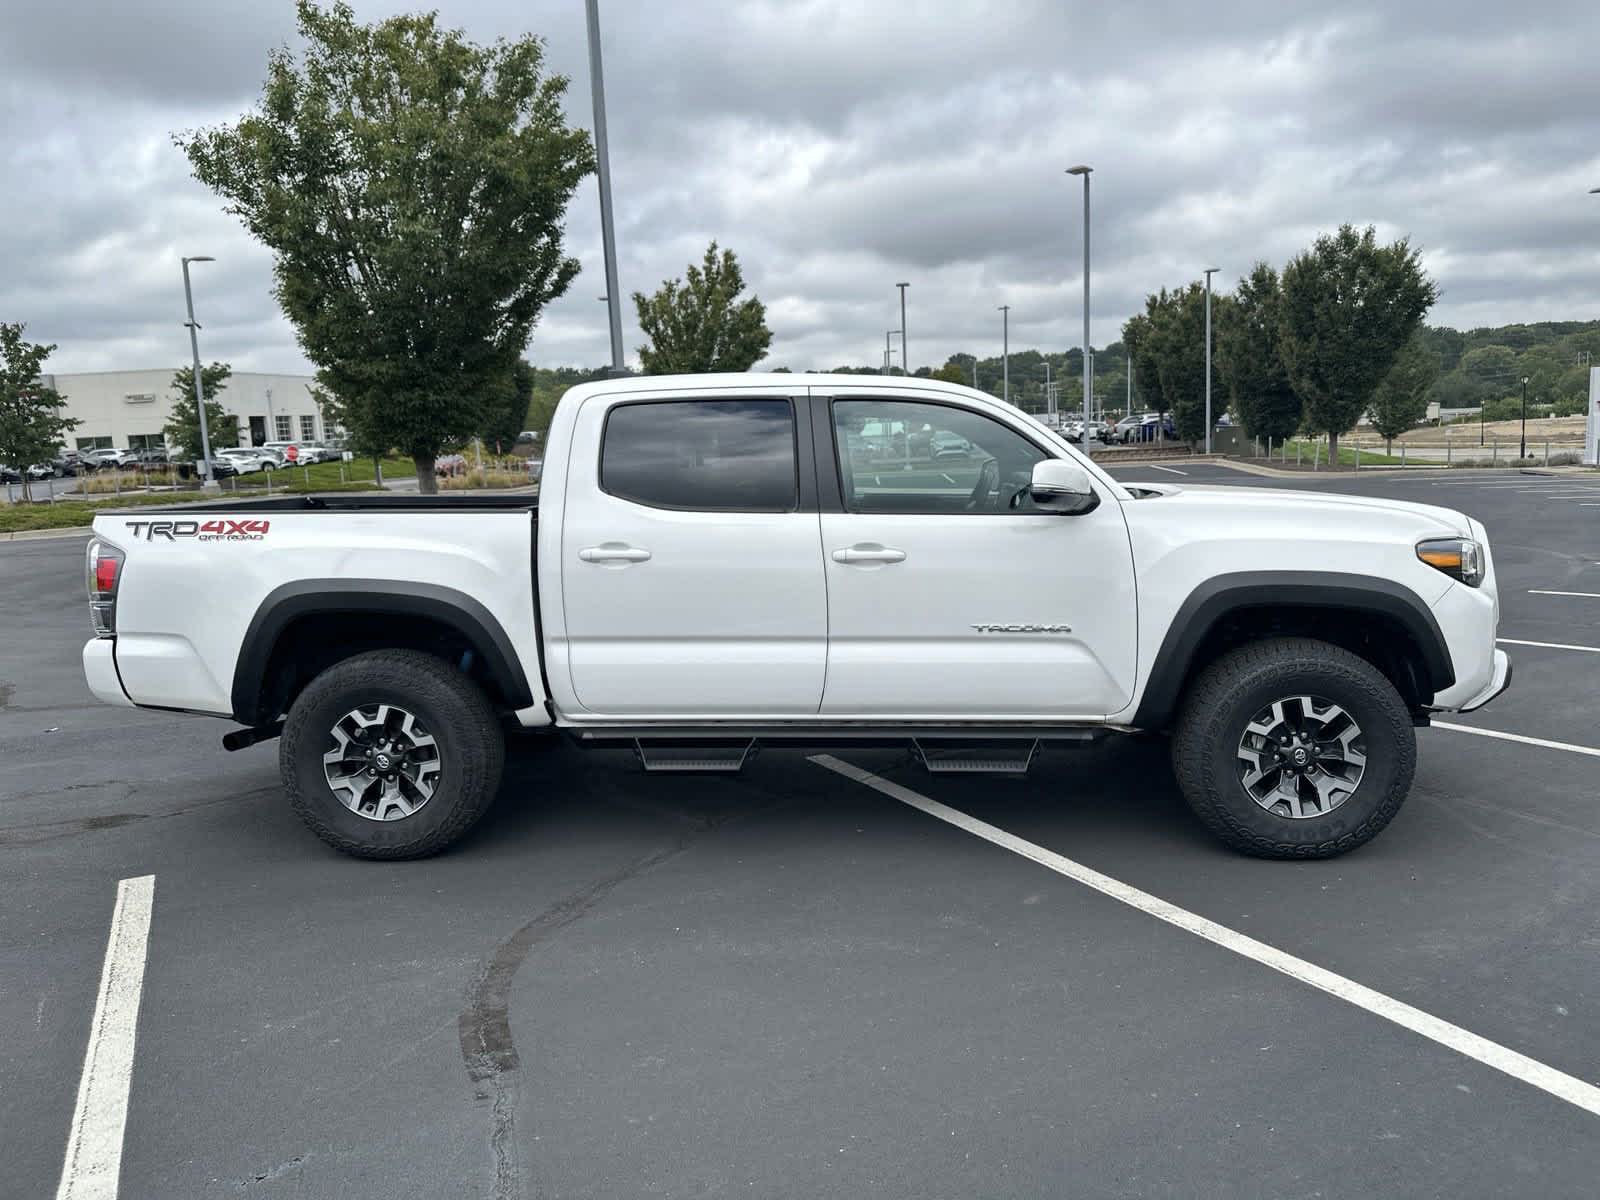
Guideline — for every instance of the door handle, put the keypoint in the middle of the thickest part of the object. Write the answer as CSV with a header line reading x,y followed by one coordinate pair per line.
x,y
613,552
869,552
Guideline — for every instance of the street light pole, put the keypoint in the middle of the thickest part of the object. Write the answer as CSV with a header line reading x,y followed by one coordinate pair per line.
x,y
1049,396
597,88
1088,369
1522,451
207,481
905,363
888,353
1005,352
1210,271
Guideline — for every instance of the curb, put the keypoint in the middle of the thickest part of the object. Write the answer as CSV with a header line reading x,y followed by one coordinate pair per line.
x,y
44,535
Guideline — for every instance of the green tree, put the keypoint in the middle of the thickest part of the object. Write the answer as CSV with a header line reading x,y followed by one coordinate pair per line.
x,y
952,373
700,324
1401,401
508,414
1174,340
1138,335
1251,362
32,423
183,423
1349,305
412,187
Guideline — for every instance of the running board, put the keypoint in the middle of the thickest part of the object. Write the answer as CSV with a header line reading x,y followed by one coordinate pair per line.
x,y
721,758
967,758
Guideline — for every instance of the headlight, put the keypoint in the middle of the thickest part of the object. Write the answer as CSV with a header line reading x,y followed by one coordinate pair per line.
x,y
1459,558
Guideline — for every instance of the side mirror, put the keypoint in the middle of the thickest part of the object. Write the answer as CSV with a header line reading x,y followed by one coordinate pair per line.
x,y
1060,486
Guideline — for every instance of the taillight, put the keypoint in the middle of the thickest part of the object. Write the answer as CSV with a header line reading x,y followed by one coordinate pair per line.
x,y
103,574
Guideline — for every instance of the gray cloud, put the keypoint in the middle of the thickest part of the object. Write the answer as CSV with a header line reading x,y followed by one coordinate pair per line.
x,y
839,147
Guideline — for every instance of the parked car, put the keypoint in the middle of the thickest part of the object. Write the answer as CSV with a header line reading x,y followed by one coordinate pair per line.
x,y
1149,427
9,474
945,444
222,467
705,573
247,461
1123,429
153,456
41,471
107,457
66,463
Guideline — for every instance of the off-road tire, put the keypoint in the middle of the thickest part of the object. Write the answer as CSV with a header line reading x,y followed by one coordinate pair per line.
x,y
1221,702
471,747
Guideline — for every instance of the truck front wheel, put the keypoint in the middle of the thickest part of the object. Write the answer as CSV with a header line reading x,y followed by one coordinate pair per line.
x,y
391,754
1294,748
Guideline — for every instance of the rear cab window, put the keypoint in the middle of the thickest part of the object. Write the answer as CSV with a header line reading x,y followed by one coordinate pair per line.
x,y
735,455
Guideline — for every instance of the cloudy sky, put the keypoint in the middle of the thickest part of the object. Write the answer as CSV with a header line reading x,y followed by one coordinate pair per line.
x,y
839,146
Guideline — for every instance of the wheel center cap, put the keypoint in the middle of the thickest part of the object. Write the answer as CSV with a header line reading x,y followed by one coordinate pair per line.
x,y
1300,756
382,761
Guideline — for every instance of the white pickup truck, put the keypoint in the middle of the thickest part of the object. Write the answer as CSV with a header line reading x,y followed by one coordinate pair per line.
x,y
716,563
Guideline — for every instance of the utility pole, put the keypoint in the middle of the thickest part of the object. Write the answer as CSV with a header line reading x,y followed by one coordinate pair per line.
x,y
1522,451
1049,397
1005,352
1088,370
905,363
1210,271
207,480
597,88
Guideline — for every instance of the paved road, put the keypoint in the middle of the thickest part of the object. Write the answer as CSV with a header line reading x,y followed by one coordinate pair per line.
x,y
787,983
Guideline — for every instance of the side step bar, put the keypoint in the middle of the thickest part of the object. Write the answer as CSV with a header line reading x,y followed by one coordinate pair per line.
x,y
992,758
722,758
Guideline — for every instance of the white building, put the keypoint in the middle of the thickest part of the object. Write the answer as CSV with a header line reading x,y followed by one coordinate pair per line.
x,y
127,409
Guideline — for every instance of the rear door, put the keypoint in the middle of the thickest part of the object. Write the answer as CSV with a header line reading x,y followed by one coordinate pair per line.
x,y
691,572
946,601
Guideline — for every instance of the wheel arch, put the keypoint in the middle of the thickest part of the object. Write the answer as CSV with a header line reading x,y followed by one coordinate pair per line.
x,y
1380,620
375,614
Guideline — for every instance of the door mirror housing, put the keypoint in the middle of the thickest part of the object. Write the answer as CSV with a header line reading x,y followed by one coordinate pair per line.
x,y
1061,486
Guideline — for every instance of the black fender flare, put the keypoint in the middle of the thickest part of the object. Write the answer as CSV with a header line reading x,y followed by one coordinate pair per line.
x,y
308,597
1216,598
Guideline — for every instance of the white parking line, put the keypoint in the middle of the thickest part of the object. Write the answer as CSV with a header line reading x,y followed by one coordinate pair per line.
x,y
1546,592
93,1161
1168,470
1548,645
1517,737
1519,1066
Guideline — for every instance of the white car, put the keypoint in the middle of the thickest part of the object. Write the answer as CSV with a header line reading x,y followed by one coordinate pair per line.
x,y
107,457
708,568
248,461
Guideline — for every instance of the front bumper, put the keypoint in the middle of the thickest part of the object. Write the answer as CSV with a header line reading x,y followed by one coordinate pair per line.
x,y
1499,681
100,670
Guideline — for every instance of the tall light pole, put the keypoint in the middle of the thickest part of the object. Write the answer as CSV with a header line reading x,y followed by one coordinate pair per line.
x,y
1210,271
905,363
888,353
207,481
1088,369
1049,399
597,86
1522,451
1005,353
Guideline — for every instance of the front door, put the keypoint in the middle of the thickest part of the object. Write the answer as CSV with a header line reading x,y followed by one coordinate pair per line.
x,y
946,601
258,431
691,570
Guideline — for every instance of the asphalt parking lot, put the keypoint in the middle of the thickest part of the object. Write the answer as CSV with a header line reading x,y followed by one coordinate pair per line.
x,y
792,983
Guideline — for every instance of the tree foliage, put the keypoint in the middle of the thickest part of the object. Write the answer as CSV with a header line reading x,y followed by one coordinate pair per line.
x,y
412,186
183,423
1251,360
1401,401
1138,337
1349,305
32,423
506,417
1171,343
699,324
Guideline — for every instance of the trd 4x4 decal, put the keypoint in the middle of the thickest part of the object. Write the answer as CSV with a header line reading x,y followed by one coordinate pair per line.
x,y
224,530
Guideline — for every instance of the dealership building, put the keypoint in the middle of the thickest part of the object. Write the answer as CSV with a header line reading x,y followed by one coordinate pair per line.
x,y
127,409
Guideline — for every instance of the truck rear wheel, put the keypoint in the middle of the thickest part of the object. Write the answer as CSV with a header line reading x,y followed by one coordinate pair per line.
x,y
1294,748
391,754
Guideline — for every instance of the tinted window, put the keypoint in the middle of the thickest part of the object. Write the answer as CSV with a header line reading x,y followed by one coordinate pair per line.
x,y
904,457
713,455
